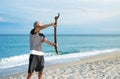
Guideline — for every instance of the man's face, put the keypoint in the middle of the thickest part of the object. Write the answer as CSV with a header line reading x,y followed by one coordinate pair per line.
x,y
38,26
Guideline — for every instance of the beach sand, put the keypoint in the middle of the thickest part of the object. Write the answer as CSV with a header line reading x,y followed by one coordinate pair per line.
x,y
102,66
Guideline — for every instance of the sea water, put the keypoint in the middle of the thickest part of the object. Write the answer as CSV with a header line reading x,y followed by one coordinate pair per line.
x,y
14,49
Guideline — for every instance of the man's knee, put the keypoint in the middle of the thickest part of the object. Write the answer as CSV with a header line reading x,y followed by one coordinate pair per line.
x,y
41,72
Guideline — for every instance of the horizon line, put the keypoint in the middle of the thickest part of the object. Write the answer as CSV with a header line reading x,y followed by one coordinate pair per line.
x,y
63,34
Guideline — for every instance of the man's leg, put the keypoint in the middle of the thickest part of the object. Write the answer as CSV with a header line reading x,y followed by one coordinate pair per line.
x,y
29,76
40,75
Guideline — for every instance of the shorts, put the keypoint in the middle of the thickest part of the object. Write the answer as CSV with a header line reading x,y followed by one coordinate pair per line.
x,y
36,63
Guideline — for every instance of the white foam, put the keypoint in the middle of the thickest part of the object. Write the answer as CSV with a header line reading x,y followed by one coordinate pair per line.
x,y
23,59
80,55
14,61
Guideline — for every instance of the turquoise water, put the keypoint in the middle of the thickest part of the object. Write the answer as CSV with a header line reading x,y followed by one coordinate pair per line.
x,y
12,45
14,49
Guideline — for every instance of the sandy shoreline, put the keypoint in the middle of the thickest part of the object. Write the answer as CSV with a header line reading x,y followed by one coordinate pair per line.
x,y
102,66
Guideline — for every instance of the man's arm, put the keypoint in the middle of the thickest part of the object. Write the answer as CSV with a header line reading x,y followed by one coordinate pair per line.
x,y
49,42
47,25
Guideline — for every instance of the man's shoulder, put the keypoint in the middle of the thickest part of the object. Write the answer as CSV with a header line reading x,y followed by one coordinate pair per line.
x,y
41,34
32,32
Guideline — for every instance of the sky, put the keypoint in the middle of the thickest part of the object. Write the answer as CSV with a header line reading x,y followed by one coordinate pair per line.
x,y
77,16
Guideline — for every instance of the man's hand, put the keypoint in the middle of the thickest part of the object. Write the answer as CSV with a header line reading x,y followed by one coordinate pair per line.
x,y
54,25
54,44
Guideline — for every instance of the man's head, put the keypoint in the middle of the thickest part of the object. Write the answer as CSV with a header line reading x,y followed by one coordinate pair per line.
x,y
37,25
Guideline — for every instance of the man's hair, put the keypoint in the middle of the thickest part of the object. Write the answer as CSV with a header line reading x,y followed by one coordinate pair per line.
x,y
35,23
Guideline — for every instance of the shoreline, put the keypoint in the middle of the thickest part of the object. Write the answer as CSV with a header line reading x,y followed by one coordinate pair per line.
x,y
95,58
70,69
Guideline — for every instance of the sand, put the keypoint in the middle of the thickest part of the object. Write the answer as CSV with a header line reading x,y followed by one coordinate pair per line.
x,y
102,66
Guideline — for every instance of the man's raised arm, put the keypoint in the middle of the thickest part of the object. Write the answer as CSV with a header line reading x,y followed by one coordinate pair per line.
x,y
47,25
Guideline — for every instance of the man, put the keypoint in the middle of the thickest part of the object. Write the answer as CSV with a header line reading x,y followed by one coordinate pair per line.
x,y
36,59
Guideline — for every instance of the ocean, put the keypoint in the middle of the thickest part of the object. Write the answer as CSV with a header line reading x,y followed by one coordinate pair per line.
x,y
14,49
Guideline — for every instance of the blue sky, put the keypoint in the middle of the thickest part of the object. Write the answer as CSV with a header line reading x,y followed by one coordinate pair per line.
x,y
77,16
